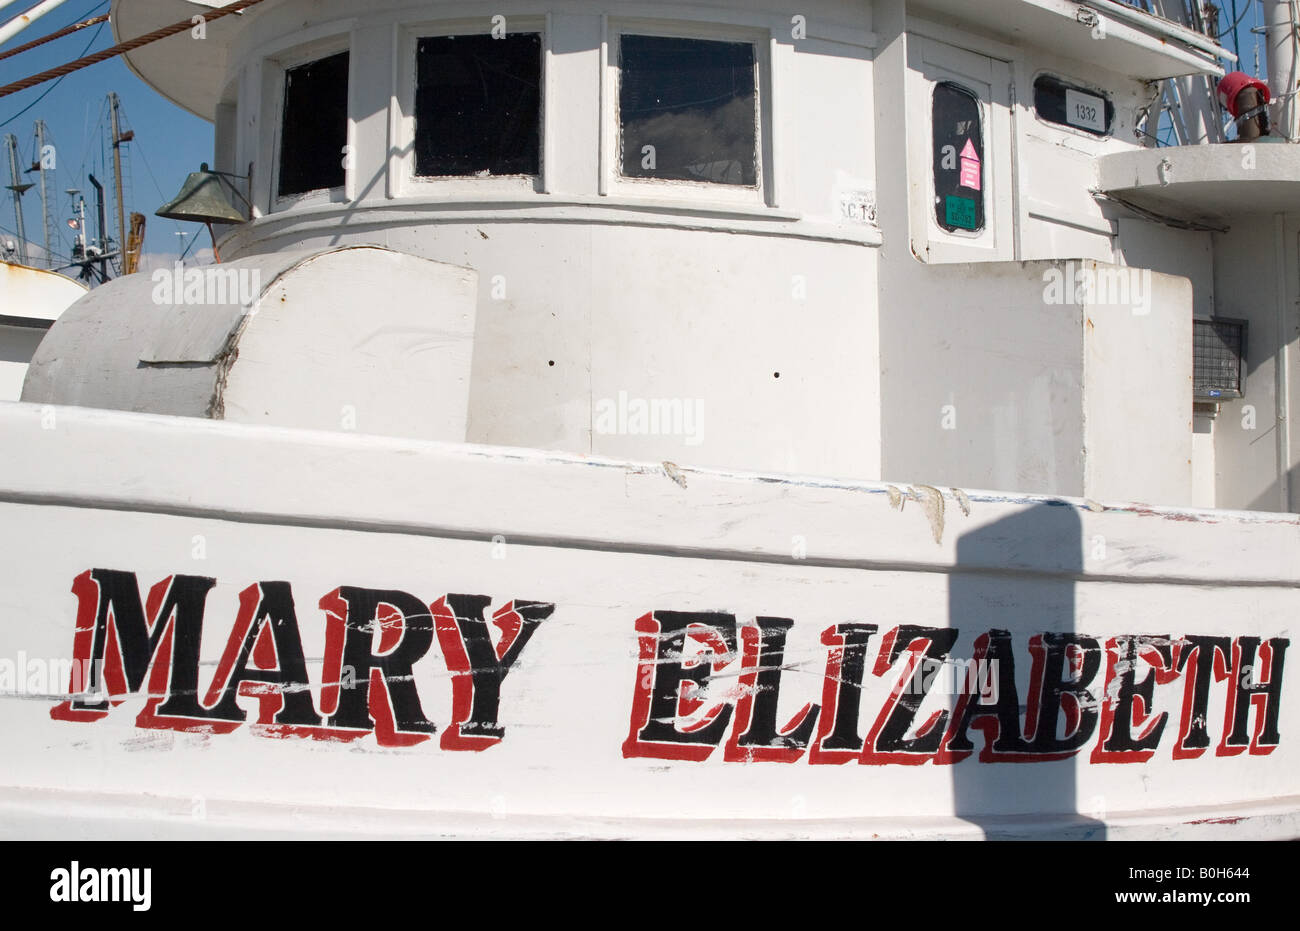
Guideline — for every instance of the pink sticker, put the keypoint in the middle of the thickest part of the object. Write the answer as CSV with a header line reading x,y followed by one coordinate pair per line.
x,y
970,167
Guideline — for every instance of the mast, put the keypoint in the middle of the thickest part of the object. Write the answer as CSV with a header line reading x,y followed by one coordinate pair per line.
x,y
45,203
118,139
1195,105
11,143
1282,36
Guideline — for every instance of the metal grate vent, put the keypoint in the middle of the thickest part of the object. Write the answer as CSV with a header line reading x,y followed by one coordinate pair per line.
x,y
1218,358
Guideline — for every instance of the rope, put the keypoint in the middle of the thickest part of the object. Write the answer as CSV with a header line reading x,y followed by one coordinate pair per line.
x,y
45,93
1174,222
120,48
65,31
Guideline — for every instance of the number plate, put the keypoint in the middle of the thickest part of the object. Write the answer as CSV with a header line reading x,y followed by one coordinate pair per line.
x,y
1085,111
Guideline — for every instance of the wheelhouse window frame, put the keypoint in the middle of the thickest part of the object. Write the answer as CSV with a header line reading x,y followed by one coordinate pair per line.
x,y
275,70
989,71
1110,110
612,180
403,177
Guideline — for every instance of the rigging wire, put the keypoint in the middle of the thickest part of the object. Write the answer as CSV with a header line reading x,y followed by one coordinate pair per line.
x,y
121,48
1165,219
60,33
96,132
162,198
1236,40
193,240
51,88
54,253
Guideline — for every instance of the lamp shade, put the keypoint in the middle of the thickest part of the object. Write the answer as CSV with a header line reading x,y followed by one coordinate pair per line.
x,y
202,200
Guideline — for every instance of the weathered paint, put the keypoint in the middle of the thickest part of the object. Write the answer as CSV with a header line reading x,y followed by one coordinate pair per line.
x,y
275,339
729,654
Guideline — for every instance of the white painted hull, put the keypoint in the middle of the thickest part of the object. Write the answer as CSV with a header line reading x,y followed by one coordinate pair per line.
x,y
88,497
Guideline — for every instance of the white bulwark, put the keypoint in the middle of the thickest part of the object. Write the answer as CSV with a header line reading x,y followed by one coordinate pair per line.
x,y
587,421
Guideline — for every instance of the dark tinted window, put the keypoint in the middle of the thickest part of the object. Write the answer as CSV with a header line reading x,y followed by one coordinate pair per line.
x,y
1071,105
688,110
315,126
958,159
478,105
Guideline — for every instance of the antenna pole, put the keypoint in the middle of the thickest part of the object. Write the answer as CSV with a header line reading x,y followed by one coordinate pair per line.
x,y
114,106
81,223
103,228
45,203
1282,36
16,185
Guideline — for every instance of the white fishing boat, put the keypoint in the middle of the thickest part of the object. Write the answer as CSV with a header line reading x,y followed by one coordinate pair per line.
x,y
33,300
624,419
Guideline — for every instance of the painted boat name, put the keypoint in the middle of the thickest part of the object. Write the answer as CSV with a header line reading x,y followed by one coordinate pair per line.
x,y
704,681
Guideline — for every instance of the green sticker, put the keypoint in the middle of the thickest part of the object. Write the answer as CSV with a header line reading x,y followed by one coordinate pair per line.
x,y
961,213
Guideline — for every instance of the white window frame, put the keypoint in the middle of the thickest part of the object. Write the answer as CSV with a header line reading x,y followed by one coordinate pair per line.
x,y
408,183
930,242
274,69
613,182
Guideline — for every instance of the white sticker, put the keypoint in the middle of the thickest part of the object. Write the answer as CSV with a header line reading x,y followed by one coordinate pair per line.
x,y
858,206
1085,110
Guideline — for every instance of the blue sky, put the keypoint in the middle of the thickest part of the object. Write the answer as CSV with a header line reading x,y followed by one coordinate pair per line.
x,y
169,142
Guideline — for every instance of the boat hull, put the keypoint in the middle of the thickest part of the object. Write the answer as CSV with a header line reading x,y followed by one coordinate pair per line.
x,y
219,630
